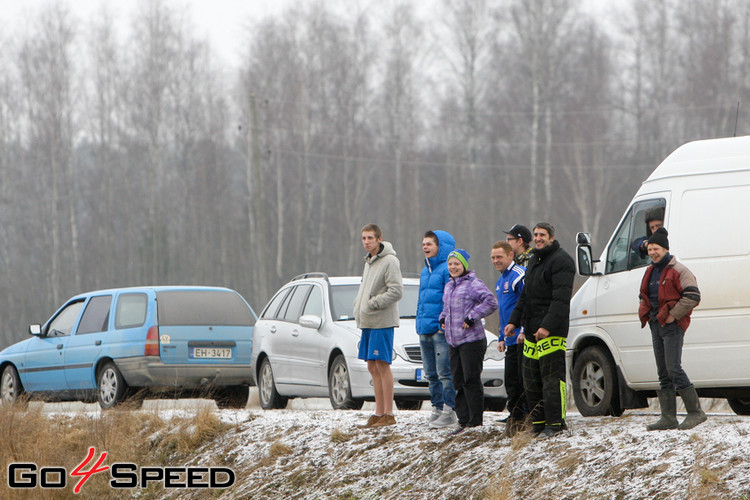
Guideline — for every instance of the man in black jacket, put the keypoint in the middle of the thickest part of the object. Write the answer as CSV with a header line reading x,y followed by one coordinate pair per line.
x,y
543,309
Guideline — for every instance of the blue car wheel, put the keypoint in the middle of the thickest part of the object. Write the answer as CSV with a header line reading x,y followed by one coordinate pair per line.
x,y
110,386
10,386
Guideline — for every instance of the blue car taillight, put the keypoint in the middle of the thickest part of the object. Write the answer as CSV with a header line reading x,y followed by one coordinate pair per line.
x,y
152,342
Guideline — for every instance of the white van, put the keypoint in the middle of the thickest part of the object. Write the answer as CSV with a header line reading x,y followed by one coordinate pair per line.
x,y
704,190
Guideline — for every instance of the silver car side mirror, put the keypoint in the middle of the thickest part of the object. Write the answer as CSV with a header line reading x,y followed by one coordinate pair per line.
x,y
311,321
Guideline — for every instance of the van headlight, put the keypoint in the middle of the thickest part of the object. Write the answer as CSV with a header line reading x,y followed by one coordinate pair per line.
x,y
493,353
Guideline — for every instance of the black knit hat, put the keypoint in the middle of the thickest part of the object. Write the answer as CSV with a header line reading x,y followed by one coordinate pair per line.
x,y
660,238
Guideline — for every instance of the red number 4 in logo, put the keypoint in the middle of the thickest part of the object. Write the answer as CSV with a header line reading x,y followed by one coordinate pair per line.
x,y
85,475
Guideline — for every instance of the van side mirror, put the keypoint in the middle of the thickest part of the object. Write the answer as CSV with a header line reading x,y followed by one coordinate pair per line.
x,y
583,239
584,261
35,330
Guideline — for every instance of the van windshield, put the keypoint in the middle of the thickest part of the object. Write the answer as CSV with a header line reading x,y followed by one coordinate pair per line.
x,y
203,308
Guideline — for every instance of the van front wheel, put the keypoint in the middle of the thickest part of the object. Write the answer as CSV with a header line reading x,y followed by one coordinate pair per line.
x,y
595,388
741,406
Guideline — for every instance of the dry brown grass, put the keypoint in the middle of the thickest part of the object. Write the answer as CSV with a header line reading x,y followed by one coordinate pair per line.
x,y
279,450
707,483
500,488
569,461
338,436
521,440
30,436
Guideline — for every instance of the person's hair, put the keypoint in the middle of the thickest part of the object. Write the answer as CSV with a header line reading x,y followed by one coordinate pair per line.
x,y
655,213
504,245
374,228
431,234
547,227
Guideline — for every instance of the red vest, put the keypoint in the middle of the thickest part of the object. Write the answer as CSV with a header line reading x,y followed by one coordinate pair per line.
x,y
670,292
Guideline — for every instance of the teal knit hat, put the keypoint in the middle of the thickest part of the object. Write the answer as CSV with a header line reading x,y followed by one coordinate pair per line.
x,y
462,256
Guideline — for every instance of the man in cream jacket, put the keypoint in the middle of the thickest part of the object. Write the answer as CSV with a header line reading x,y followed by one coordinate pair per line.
x,y
376,314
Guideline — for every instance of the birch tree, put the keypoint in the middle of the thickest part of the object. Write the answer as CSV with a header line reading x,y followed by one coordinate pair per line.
x,y
47,75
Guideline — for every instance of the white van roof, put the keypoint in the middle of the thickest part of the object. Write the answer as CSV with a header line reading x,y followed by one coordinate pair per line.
x,y
704,157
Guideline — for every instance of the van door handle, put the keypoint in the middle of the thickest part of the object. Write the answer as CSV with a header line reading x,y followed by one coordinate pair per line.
x,y
59,346
295,333
273,328
98,342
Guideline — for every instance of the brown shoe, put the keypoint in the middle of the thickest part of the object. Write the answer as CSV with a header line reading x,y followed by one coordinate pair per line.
x,y
385,420
371,421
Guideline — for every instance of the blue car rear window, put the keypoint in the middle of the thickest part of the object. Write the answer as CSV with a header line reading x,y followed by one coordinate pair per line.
x,y
131,310
203,308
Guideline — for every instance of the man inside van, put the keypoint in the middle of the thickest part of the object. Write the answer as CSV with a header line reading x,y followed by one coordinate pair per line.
x,y
519,238
376,314
654,220
543,310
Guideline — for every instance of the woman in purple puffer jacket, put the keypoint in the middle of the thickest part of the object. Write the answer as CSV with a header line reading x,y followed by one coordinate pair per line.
x,y
466,300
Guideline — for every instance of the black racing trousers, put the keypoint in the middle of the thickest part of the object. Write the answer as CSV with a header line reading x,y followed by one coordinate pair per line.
x,y
544,380
467,361
514,381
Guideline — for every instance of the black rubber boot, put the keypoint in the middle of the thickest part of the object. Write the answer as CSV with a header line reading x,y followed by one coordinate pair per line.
x,y
668,405
695,414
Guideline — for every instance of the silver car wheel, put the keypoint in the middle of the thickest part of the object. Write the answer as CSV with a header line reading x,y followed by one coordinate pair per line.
x,y
340,384
266,383
108,386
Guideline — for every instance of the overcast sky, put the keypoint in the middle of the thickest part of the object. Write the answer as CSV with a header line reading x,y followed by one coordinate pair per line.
x,y
221,21
224,22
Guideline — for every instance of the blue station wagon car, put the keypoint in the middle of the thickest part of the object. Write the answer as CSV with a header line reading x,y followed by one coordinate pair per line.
x,y
110,344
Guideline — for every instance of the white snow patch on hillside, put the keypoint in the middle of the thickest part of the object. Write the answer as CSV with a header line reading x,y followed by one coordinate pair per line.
x,y
324,454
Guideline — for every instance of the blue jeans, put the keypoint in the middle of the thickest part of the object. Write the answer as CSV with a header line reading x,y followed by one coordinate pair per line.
x,y
437,369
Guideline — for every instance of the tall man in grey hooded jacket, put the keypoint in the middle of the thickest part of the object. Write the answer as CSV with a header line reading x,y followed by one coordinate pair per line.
x,y
376,314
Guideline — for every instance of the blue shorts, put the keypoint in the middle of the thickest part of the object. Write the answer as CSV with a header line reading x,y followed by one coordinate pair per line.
x,y
376,343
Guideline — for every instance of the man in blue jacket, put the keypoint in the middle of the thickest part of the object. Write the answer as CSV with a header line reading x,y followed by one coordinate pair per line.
x,y
508,289
436,246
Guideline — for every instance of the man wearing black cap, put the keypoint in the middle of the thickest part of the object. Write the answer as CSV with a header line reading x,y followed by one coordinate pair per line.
x,y
669,292
519,238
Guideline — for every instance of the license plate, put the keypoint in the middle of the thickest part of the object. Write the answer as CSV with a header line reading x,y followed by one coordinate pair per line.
x,y
210,353
420,375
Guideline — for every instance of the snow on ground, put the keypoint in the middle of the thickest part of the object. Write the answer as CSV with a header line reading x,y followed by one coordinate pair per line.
x,y
310,451
324,454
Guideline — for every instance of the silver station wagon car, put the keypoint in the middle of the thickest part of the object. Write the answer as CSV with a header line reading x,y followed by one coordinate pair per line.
x,y
305,344
109,344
